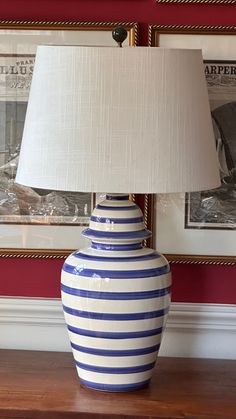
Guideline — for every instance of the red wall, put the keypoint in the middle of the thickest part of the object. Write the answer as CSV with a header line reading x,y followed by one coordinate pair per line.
x,y
191,283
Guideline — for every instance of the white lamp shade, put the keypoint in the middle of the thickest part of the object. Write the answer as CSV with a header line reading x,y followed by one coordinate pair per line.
x,y
118,120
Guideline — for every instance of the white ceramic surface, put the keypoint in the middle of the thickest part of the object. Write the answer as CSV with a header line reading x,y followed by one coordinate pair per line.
x,y
116,297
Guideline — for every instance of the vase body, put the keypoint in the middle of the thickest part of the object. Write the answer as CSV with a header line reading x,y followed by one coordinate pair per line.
x,y
116,297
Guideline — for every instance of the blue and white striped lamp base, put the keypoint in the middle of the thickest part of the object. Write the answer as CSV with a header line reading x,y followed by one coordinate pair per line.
x,y
116,297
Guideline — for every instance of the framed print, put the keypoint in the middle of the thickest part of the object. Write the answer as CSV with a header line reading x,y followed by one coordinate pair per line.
x,y
36,222
201,226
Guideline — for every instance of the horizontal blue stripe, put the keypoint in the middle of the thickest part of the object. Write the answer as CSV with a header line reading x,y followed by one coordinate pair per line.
x,y
115,316
114,387
115,335
140,234
110,197
115,352
118,208
100,295
102,273
116,247
97,258
107,220
113,370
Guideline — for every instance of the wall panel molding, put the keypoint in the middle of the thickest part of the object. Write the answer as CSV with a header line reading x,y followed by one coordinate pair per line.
x,y
193,330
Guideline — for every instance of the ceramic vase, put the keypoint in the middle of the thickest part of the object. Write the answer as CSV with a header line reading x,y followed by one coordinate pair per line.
x,y
116,297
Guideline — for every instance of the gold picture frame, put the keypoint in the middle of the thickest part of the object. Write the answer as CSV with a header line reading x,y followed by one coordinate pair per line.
x,y
218,37
197,1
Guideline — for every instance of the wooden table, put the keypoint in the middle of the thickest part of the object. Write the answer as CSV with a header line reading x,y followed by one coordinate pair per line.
x,y
45,385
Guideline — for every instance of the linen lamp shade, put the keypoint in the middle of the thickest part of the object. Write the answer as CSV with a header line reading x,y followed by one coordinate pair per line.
x,y
118,120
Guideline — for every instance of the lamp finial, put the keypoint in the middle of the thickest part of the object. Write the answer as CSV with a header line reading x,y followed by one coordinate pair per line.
x,y
119,34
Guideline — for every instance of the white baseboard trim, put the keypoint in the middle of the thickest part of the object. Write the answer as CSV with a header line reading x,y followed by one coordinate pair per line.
x,y
193,330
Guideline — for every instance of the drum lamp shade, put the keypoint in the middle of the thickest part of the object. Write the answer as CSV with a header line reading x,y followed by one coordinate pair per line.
x,y
118,120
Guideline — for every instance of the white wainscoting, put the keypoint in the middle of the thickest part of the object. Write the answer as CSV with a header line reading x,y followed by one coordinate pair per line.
x,y
193,330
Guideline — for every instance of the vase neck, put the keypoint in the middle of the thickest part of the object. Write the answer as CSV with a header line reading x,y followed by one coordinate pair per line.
x,y
117,197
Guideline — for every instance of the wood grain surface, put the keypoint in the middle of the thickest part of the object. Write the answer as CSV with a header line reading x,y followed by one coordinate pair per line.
x,y
44,385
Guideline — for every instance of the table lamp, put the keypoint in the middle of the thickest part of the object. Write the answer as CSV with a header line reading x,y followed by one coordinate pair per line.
x,y
117,120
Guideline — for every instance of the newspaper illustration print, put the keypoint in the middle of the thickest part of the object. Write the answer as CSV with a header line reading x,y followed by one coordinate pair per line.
x,y
216,209
20,204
